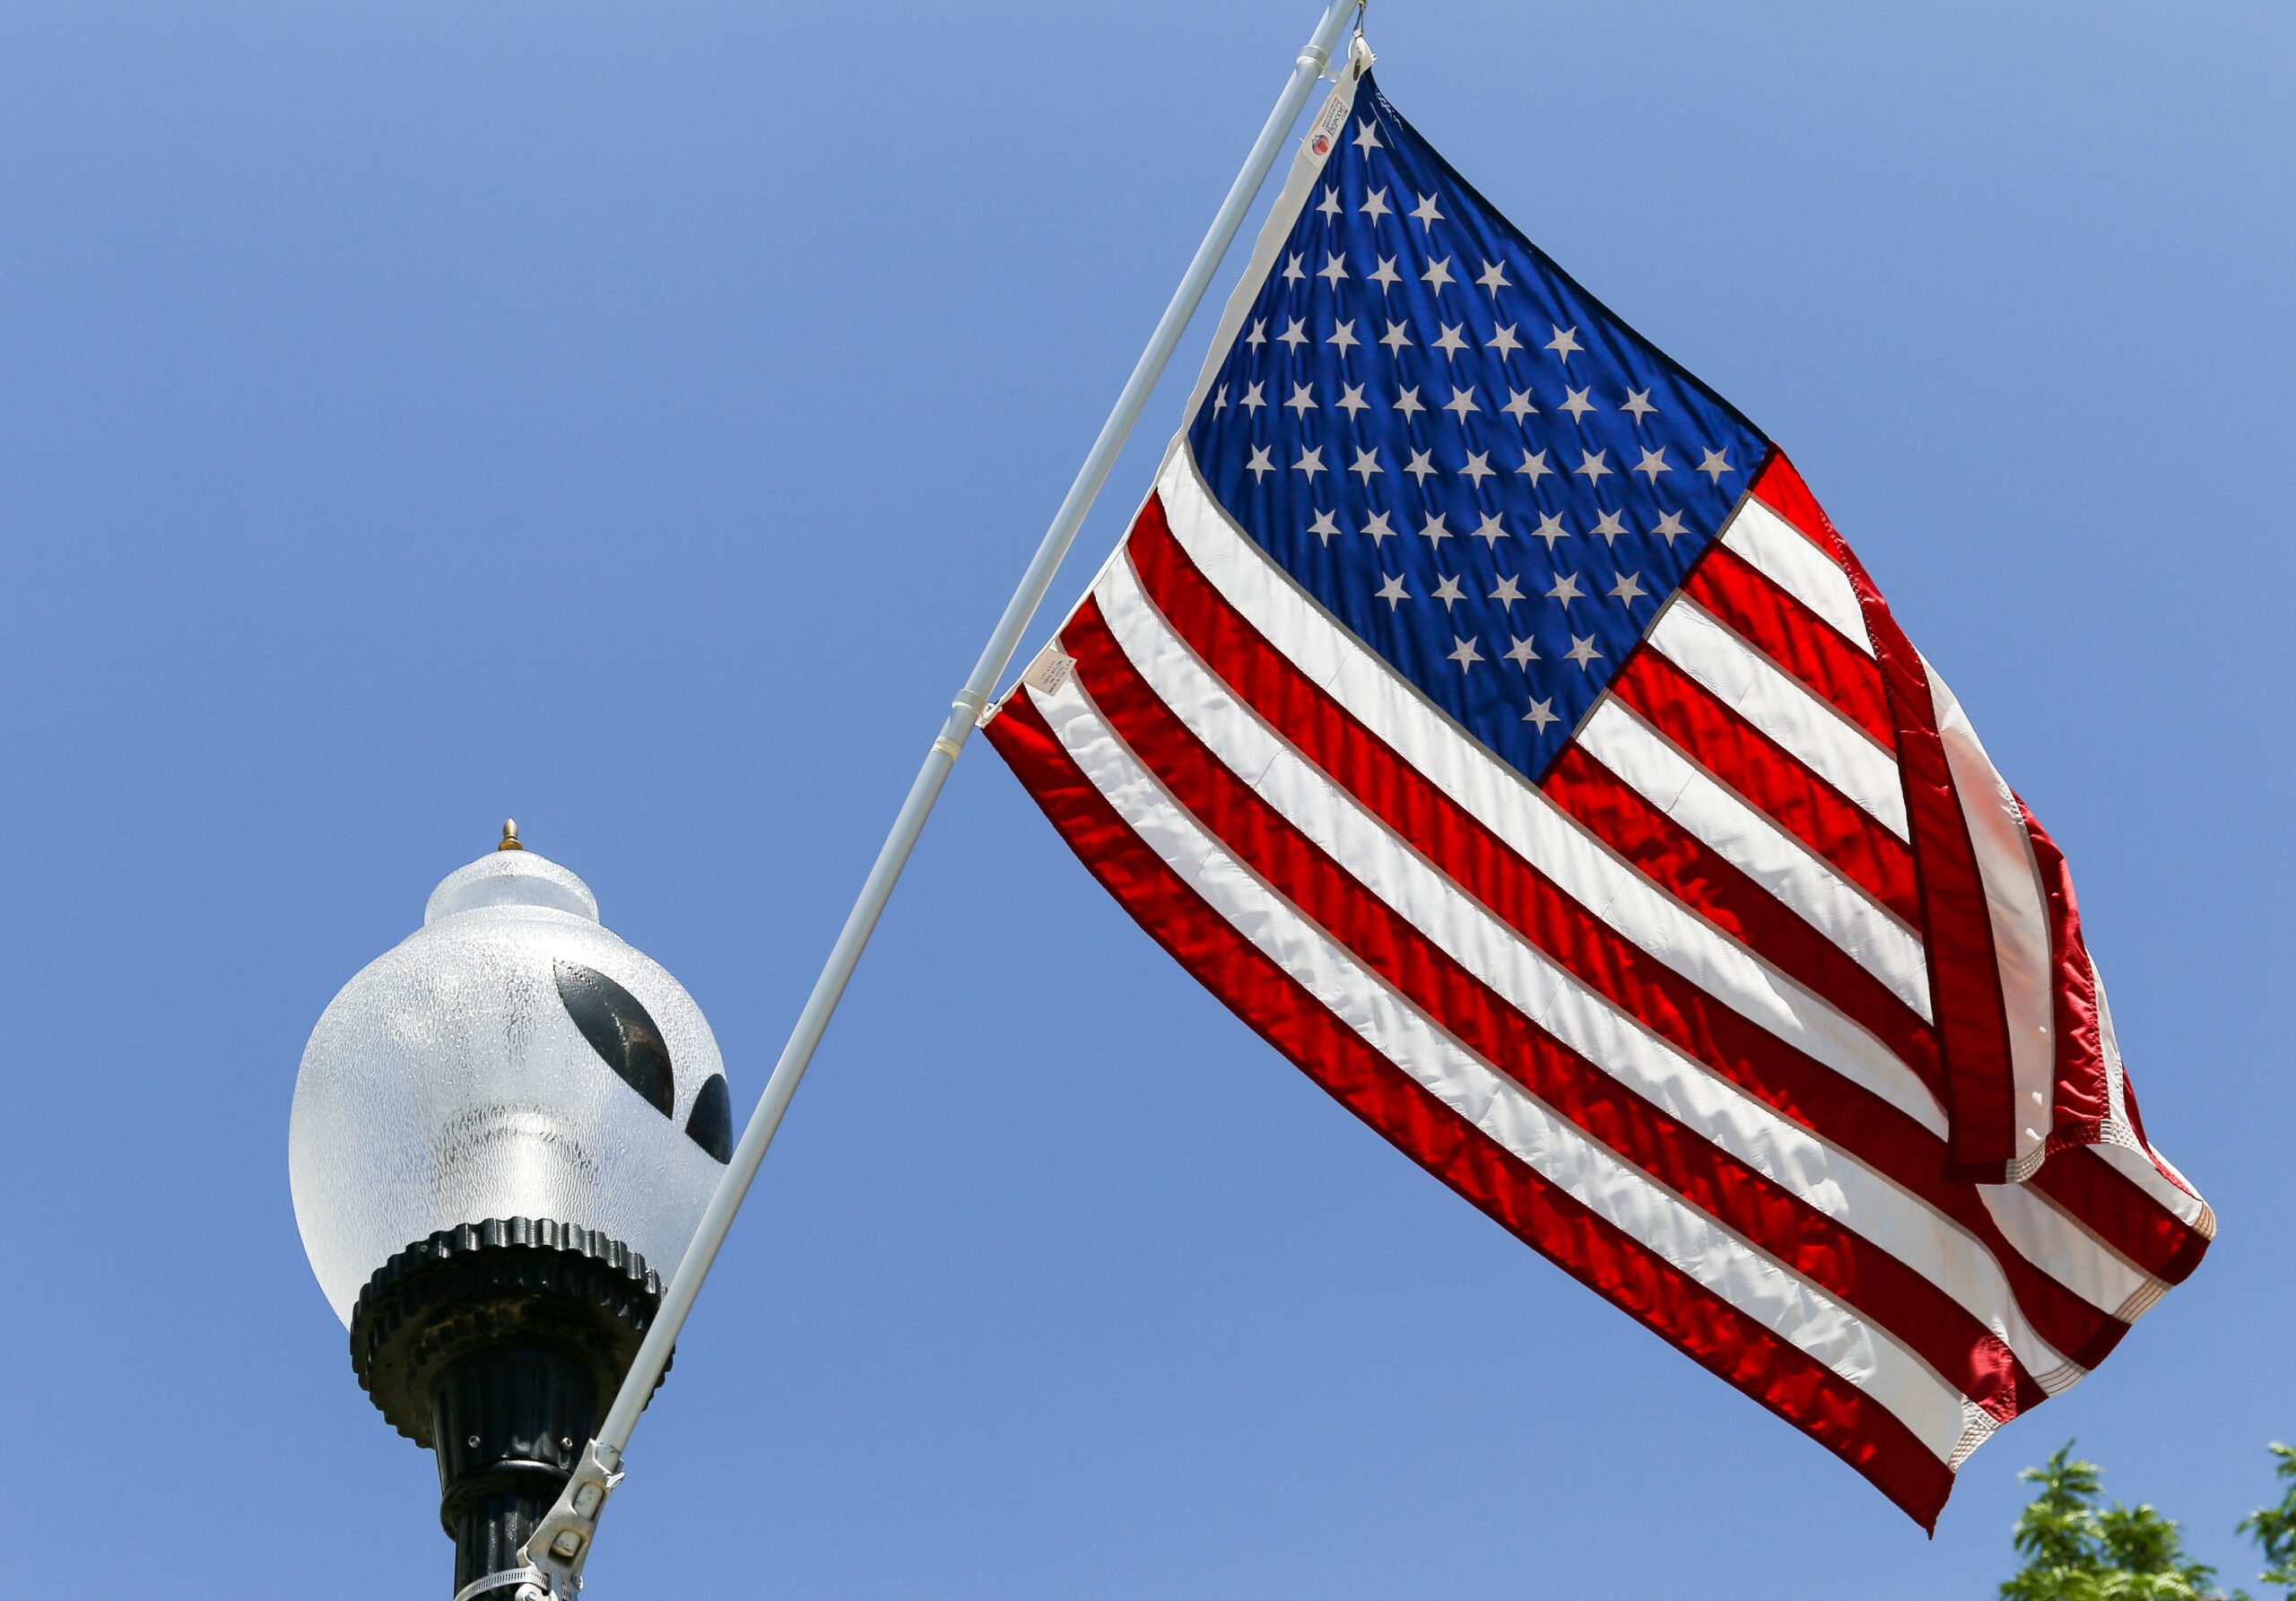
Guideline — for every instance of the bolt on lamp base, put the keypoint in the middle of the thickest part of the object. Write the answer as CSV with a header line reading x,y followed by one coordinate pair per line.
x,y
508,1423
496,1345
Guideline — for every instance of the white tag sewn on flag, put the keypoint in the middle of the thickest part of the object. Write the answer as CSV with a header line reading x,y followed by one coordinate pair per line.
x,y
1050,671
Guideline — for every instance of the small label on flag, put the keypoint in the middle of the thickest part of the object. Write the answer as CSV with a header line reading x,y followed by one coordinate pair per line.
x,y
1050,671
1328,126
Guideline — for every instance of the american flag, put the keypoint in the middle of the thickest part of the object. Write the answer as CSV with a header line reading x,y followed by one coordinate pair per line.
x,y
1483,709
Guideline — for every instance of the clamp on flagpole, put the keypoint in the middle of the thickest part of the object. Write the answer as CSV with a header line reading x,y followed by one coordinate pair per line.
x,y
560,1542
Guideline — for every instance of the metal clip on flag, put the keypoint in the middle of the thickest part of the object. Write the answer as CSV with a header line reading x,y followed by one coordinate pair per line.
x,y
560,1546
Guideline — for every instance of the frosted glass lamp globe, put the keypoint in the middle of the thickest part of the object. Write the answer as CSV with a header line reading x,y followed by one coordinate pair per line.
x,y
511,1059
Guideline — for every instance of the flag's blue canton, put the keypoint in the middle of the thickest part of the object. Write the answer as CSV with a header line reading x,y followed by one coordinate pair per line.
x,y
1490,478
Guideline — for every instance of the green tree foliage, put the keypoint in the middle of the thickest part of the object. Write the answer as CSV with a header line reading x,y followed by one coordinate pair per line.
x,y
2274,1528
2076,1549
2057,1534
2148,1553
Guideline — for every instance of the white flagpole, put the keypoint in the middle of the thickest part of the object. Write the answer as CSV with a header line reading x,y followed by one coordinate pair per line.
x,y
560,1541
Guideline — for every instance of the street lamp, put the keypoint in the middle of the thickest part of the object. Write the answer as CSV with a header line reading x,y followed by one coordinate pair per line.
x,y
504,1129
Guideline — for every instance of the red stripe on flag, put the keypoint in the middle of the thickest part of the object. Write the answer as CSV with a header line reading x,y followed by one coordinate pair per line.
x,y
1964,975
1860,1274
1801,643
2122,1215
2101,1197
2197,1236
2087,1186
1672,1007
2079,1093
1769,778
1728,1344
2170,1252
1689,870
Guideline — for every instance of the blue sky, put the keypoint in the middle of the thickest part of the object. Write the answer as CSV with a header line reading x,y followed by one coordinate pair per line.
x,y
632,418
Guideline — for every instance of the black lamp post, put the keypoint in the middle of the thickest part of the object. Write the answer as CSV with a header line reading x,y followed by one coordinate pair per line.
x,y
505,1128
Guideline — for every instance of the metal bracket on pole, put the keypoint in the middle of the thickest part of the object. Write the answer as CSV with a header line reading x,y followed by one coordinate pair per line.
x,y
560,1541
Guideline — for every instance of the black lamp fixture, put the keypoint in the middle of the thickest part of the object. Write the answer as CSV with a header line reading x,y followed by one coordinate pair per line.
x,y
505,1130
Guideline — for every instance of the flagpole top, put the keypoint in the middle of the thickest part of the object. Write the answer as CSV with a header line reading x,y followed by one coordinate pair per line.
x,y
509,835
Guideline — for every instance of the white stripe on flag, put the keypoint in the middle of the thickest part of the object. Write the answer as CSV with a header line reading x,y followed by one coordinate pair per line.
x,y
1745,838
1616,1191
1520,814
2043,1234
2015,907
1810,730
1782,553
1798,1160
2158,1177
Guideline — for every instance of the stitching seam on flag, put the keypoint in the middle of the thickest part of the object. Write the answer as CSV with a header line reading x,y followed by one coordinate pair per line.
x,y
1981,1426
1283,213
